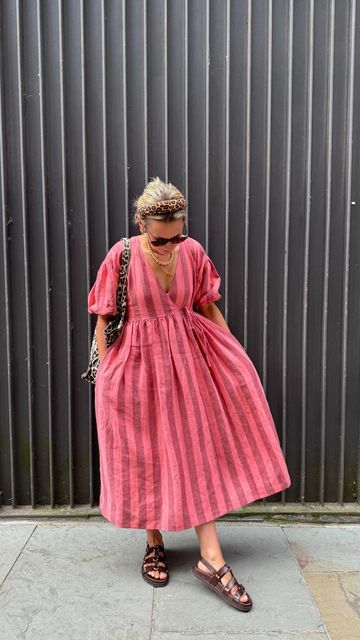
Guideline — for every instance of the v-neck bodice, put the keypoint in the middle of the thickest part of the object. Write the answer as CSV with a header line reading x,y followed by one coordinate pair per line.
x,y
195,281
178,259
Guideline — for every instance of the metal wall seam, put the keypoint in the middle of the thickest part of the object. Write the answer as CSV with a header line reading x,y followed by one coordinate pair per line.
x,y
7,282
247,174
267,192
126,158
267,196
146,118
227,151
87,239
207,122
104,125
308,167
287,228
166,101
347,208
186,98
49,339
67,259
325,284
24,214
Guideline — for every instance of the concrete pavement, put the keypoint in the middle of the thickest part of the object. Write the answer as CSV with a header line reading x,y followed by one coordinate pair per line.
x,y
70,579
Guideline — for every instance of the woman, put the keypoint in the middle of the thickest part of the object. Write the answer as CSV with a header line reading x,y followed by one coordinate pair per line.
x,y
184,428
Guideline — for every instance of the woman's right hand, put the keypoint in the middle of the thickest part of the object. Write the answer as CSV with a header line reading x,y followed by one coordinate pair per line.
x,y
102,322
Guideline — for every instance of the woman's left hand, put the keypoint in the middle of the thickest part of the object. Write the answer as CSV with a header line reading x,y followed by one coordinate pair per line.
x,y
212,312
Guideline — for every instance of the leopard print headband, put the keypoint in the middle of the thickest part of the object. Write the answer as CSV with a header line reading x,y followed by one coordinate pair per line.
x,y
163,206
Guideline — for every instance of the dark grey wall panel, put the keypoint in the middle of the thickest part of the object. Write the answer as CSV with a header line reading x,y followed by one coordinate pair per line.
x,y
252,109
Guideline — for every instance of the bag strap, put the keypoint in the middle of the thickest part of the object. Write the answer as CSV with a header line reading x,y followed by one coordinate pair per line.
x,y
121,290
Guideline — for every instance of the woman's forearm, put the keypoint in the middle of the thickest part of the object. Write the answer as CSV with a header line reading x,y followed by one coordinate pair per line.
x,y
101,323
212,312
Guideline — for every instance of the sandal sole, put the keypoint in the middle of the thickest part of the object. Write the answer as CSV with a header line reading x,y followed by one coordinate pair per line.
x,y
155,582
242,606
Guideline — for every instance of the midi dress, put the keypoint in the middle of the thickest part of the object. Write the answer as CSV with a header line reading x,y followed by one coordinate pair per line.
x,y
185,432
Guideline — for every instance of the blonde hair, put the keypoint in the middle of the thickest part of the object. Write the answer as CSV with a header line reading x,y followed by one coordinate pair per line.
x,y
154,191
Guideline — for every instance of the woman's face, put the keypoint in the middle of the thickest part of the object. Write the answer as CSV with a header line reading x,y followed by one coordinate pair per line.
x,y
159,229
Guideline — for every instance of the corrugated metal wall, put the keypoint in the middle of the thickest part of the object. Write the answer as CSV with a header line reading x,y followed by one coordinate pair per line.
x,y
252,108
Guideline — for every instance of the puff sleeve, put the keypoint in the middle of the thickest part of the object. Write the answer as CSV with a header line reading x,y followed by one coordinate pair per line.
x,y
208,279
102,296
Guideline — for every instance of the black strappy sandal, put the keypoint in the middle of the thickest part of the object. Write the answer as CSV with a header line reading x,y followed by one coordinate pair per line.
x,y
153,562
213,581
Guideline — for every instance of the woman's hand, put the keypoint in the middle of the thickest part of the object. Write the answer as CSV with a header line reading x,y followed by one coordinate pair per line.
x,y
212,312
101,323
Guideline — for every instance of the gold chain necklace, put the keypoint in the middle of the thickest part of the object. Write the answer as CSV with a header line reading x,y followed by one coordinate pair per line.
x,y
162,264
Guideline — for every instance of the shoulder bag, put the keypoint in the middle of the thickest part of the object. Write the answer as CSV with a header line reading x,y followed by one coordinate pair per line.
x,y
115,325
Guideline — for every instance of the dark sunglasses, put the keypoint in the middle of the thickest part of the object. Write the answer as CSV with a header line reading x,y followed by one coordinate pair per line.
x,y
158,242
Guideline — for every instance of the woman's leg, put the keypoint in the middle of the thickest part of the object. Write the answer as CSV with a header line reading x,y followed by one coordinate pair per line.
x,y
210,549
154,537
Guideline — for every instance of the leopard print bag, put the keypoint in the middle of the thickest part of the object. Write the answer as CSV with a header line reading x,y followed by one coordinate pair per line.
x,y
115,325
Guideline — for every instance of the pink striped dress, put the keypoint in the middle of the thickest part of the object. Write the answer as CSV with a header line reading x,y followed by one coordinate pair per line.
x,y
185,432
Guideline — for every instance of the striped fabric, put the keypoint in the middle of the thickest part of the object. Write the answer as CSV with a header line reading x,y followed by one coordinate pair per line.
x,y
184,428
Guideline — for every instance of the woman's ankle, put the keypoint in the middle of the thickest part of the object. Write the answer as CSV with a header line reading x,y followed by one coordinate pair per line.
x,y
154,537
212,556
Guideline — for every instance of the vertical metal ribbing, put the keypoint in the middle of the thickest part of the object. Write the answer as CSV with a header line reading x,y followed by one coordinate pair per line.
x,y
345,287
267,196
186,97
87,238
207,121
146,141
51,426
67,261
289,87
325,287
24,213
49,340
104,126
166,102
126,159
309,85
7,287
247,172
340,118
227,136
267,193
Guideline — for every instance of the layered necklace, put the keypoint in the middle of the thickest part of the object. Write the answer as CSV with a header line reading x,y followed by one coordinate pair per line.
x,y
162,264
